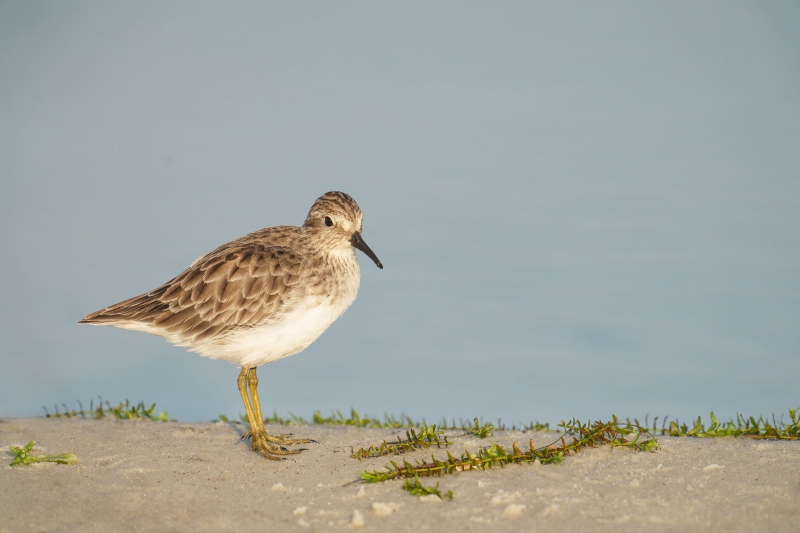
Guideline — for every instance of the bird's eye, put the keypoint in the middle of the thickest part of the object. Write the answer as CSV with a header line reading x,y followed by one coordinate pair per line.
x,y
328,222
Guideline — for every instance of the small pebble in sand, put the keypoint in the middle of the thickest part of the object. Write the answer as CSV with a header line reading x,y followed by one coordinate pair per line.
x,y
550,509
502,497
357,520
513,510
712,466
303,523
430,498
361,492
279,487
385,509
300,510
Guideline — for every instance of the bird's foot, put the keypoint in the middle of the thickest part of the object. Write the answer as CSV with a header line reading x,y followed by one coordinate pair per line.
x,y
286,440
272,447
281,439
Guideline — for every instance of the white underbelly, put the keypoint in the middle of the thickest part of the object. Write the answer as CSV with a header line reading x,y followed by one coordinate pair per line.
x,y
272,341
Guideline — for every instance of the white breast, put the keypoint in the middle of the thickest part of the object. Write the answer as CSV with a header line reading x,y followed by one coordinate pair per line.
x,y
272,341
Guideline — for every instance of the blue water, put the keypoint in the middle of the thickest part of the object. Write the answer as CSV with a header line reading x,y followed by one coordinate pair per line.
x,y
582,209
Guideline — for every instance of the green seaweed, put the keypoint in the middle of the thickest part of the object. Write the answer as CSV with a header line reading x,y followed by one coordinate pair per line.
x,y
742,426
760,428
426,437
123,411
480,431
22,456
590,434
415,488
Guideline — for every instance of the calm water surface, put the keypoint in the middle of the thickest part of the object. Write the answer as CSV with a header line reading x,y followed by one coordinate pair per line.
x,y
581,211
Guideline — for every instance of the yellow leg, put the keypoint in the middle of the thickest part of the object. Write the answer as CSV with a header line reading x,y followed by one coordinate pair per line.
x,y
252,380
261,441
242,382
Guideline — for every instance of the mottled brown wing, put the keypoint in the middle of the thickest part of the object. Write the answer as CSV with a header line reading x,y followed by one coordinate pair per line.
x,y
223,291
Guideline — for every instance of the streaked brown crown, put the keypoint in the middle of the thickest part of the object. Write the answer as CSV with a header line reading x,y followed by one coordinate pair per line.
x,y
340,207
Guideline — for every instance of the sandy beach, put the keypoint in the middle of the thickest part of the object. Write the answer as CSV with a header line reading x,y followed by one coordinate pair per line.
x,y
149,476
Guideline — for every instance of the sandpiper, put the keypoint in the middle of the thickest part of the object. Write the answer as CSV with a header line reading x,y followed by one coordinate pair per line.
x,y
257,299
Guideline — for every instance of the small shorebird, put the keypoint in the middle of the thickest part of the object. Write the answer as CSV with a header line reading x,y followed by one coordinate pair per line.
x,y
257,299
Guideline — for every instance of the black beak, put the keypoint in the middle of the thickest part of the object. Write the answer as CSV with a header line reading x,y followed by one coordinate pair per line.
x,y
359,243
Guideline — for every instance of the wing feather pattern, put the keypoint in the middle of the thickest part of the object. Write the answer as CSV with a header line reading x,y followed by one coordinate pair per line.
x,y
237,286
